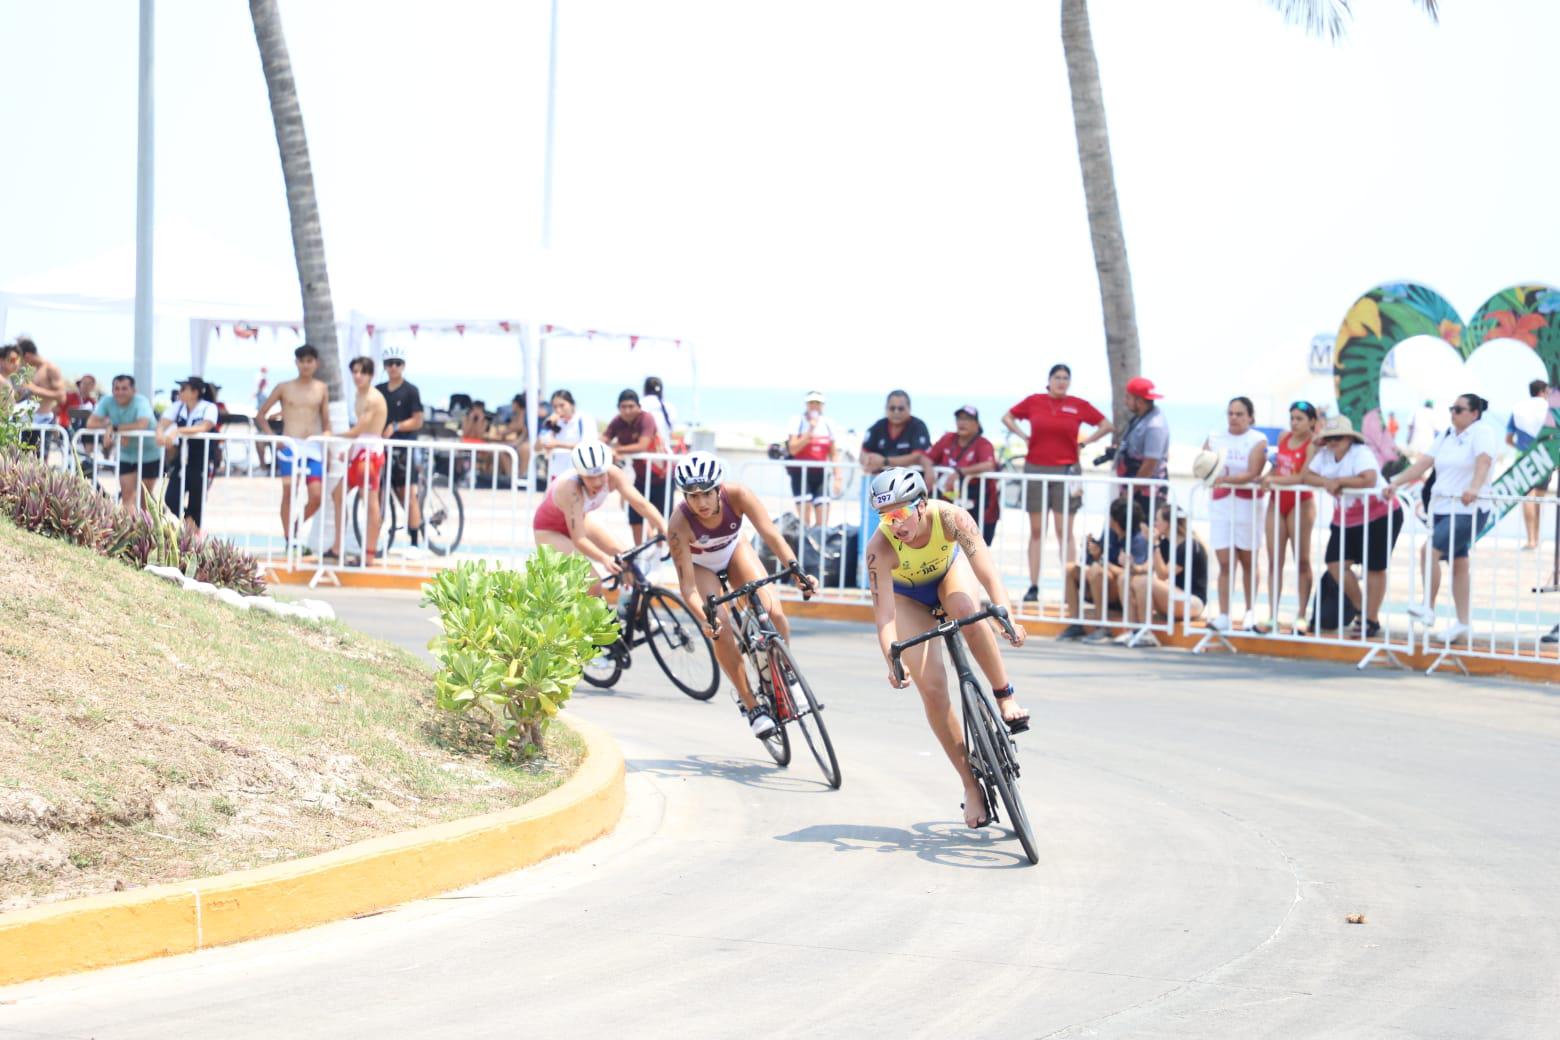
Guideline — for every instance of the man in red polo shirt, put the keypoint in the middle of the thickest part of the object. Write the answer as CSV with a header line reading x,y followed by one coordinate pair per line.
x,y
1054,418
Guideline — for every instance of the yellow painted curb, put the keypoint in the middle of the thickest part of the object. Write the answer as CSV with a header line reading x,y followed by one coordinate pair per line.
x,y
350,579
99,931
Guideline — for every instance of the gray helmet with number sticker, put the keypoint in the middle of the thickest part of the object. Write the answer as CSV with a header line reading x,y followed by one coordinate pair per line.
x,y
897,486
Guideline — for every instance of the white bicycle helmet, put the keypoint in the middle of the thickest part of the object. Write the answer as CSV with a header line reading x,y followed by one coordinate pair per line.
x,y
700,471
897,486
392,352
591,458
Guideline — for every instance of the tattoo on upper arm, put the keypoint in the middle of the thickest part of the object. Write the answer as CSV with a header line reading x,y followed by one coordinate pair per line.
x,y
965,534
872,575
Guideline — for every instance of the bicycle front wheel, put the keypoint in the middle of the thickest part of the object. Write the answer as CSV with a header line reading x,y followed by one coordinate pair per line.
x,y
678,642
443,517
802,708
998,766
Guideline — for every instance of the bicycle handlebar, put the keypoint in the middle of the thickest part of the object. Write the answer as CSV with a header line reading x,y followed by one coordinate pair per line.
x,y
947,628
625,559
790,570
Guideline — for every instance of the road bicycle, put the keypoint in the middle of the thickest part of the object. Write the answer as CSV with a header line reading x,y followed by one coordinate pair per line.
x,y
773,677
438,499
651,614
993,756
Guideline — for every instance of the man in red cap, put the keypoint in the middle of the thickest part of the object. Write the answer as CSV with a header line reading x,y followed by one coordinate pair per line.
x,y
1144,450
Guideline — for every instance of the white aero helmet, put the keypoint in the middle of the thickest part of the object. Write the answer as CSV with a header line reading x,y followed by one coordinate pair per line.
x,y
699,471
392,352
591,458
897,486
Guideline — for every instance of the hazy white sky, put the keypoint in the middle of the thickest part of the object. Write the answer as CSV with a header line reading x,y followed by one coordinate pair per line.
x,y
888,190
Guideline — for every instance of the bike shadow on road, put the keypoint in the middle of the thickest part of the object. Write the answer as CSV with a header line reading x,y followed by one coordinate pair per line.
x,y
751,773
946,843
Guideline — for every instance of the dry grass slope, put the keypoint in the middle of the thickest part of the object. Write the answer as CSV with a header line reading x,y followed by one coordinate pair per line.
x,y
147,735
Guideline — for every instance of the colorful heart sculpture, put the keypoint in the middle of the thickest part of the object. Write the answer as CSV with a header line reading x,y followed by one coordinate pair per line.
x,y
1392,313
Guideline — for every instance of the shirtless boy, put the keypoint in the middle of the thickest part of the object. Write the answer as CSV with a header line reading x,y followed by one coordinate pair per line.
x,y
305,405
365,464
46,384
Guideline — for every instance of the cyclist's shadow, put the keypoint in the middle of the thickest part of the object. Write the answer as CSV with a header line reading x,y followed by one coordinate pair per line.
x,y
750,772
944,842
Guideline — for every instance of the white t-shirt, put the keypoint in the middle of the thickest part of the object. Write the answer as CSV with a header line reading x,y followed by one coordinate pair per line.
x,y
1353,506
204,411
1531,415
665,422
1238,449
1455,456
824,438
561,460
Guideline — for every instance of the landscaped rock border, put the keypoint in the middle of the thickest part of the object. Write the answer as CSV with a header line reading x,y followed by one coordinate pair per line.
x,y
313,610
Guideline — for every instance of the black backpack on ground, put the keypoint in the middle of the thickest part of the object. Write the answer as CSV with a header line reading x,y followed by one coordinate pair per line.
x,y
1324,615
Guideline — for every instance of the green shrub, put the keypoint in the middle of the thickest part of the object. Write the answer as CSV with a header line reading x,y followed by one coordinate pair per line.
x,y
516,642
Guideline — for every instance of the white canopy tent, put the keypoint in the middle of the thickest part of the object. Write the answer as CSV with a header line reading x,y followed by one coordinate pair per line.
x,y
213,288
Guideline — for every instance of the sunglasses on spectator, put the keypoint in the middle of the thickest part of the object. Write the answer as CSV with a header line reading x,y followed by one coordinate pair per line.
x,y
397,364
1304,406
1458,409
899,515
898,408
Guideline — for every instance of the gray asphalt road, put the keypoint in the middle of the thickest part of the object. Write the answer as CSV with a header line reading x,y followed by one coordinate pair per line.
x,y
1206,827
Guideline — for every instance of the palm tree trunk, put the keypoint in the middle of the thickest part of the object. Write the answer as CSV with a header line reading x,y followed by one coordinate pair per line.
x,y
319,316
1099,189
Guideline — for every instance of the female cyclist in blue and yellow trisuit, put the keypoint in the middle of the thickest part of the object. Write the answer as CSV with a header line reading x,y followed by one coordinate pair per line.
x,y
927,553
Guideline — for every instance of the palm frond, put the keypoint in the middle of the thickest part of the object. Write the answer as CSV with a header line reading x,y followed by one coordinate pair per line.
x,y
1330,18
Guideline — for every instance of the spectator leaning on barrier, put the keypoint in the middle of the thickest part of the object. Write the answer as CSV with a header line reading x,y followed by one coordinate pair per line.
x,y
1365,526
125,412
1107,563
1462,457
968,453
1054,419
1528,418
83,395
633,431
194,415
1170,583
897,439
814,440
1236,511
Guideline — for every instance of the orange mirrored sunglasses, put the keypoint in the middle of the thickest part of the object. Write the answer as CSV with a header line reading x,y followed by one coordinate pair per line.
x,y
899,515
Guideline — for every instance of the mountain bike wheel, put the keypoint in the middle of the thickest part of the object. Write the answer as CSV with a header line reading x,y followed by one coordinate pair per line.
x,y
999,768
443,516
806,713
678,642
387,523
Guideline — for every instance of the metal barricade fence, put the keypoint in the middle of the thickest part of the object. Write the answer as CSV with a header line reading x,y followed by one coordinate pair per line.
x,y
1497,598
53,444
1059,553
829,493
451,493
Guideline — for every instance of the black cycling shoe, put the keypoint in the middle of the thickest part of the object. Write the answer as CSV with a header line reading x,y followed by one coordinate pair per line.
x,y
1033,595
1073,632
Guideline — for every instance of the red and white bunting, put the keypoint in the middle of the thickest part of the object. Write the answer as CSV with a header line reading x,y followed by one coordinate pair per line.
x,y
414,329
369,328
460,330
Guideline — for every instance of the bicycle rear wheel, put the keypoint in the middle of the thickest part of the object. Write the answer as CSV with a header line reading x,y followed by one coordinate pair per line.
x,y
443,516
998,767
604,669
806,713
778,743
678,642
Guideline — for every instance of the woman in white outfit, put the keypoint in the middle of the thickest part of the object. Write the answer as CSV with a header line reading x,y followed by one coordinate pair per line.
x,y
1236,512
1463,457
705,537
561,431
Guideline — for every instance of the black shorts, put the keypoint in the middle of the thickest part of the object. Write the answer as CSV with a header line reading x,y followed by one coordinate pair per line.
x,y
149,469
654,488
806,483
403,469
1381,534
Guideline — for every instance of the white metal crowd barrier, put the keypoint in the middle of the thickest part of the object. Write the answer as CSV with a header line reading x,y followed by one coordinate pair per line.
x,y
52,442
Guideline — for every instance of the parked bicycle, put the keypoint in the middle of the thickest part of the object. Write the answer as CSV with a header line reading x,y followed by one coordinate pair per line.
x,y
438,498
777,683
658,616
993,756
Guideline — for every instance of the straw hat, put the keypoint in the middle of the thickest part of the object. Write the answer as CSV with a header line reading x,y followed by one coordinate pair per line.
x,y
1207,466
1339,426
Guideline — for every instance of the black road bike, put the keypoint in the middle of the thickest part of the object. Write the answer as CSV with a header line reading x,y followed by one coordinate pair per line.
x,y
651,614
993,756
775,680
